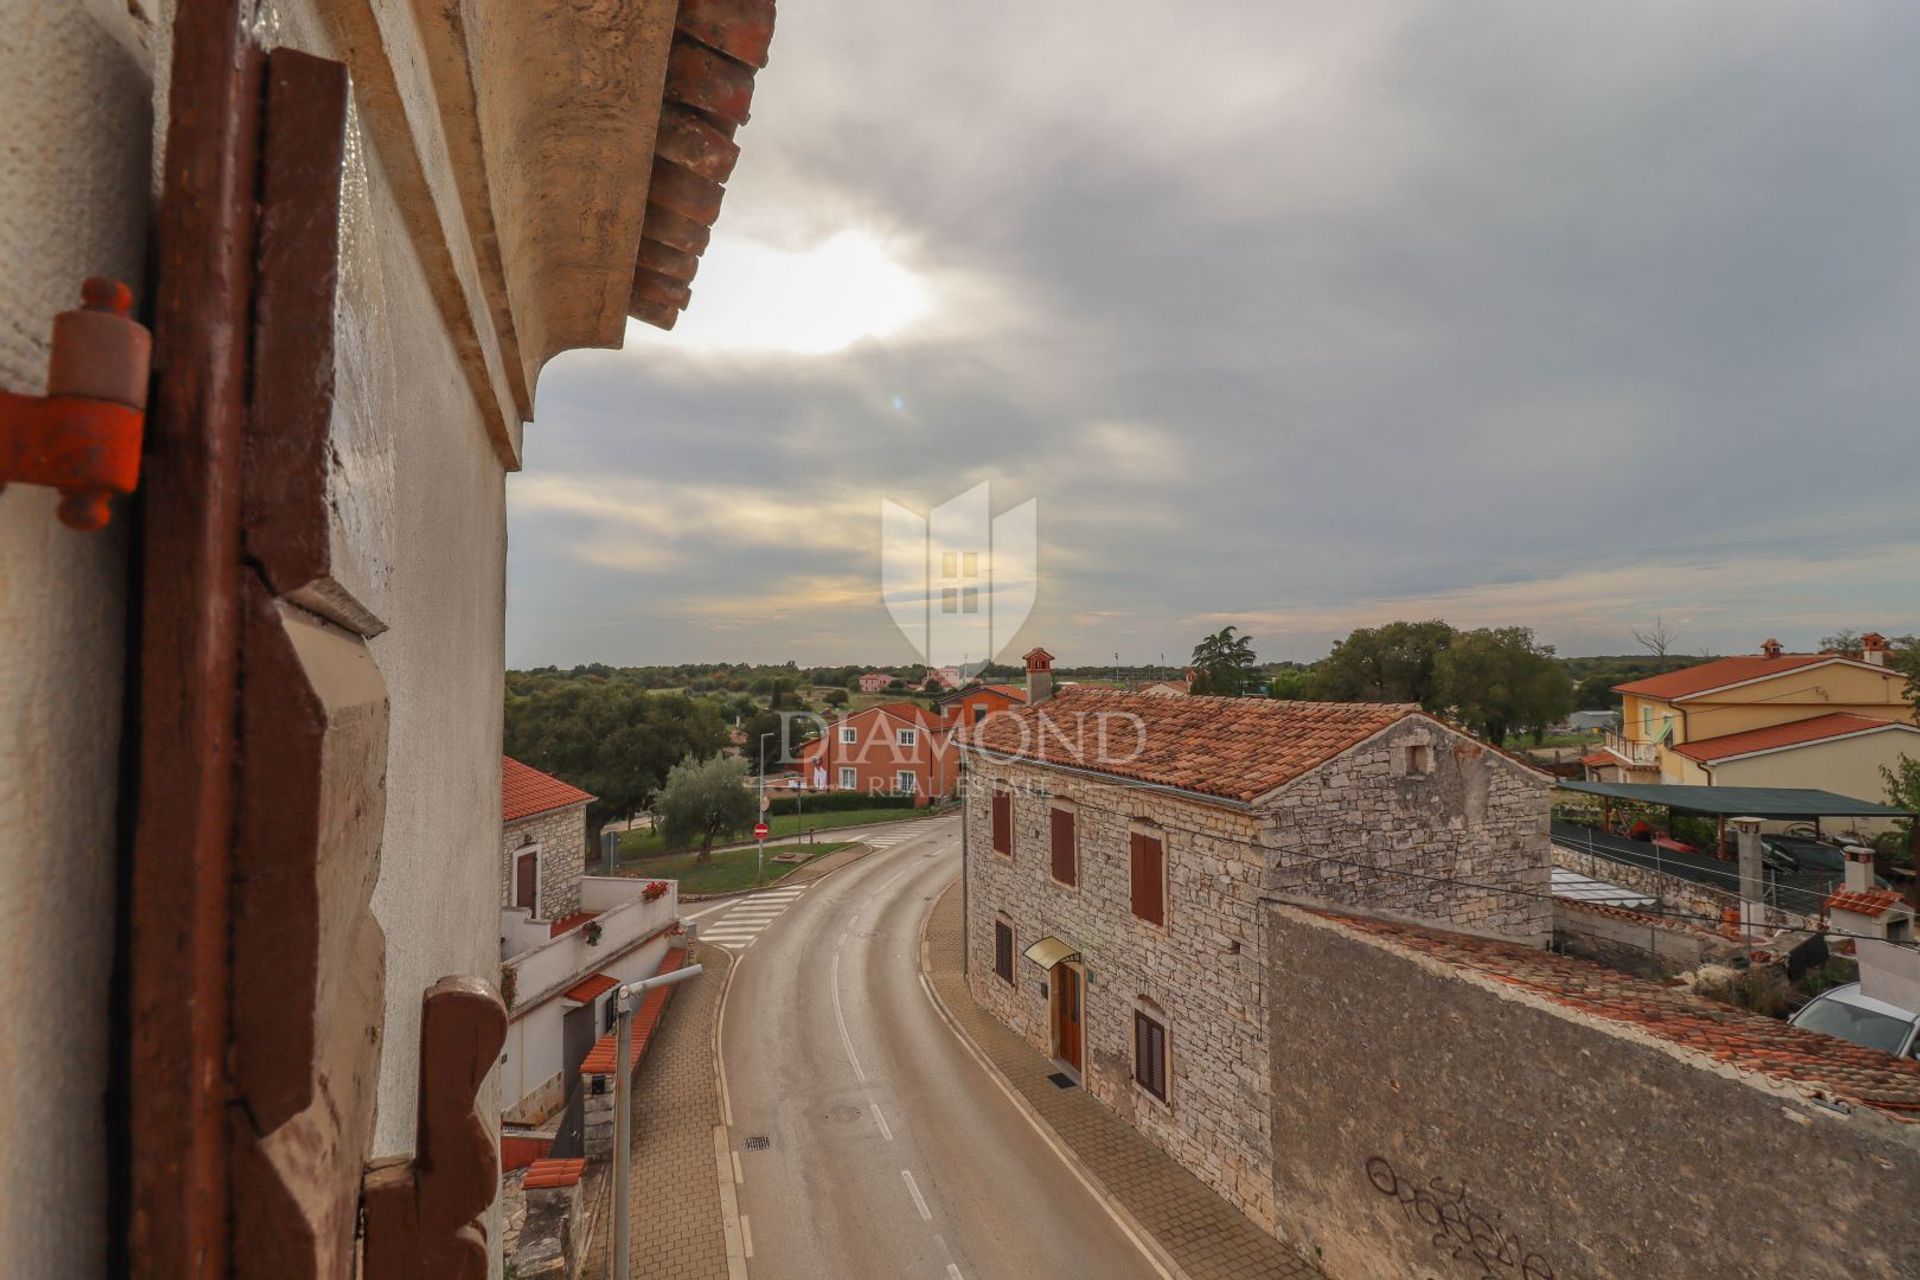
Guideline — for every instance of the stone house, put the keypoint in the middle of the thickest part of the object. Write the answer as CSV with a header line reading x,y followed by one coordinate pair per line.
x,y
259,713
543,838
1121,850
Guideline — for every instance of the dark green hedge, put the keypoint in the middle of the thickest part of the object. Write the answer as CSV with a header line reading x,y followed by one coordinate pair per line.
x,y
835,802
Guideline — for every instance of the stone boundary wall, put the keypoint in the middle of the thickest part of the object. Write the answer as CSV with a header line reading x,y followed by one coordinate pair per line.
x,y
1432,1123
1632,942
1674,892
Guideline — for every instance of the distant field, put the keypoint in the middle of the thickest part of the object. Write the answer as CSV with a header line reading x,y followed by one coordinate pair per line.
x,y
727,872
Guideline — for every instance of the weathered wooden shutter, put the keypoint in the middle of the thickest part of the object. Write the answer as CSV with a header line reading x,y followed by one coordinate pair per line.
x,y
1003,951
1064,869
1149,878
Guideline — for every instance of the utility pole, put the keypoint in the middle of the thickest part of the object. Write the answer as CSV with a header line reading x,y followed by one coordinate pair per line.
x,y
623,1002
760,819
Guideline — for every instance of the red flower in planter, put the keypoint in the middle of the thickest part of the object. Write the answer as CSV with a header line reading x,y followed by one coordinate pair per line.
x,y
655,890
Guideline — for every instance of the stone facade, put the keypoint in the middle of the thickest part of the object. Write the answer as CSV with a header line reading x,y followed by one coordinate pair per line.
x,y
1475,814
1471,829
561,835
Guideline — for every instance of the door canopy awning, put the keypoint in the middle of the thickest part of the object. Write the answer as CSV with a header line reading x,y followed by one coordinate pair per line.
x,y
1050,951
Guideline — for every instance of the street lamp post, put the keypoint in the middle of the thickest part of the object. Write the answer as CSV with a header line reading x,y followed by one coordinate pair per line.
x,y
624,1000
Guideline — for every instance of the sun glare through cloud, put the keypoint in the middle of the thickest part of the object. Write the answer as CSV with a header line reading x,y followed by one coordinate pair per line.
x,y
751,296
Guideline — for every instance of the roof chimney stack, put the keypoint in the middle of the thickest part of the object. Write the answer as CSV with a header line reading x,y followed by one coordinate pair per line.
x,y
1859,869
1771,647
1873,648
1039,676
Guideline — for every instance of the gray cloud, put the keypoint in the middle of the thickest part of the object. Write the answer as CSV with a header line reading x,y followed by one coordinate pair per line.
x,y
1308,313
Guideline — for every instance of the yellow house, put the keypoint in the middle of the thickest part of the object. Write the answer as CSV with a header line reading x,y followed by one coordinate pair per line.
x,y
1821,720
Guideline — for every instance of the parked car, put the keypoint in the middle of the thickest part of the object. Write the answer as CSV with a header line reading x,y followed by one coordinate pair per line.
x,y
1847,1013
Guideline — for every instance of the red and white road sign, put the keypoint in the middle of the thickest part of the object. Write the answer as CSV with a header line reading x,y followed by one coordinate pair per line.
x,y
759,831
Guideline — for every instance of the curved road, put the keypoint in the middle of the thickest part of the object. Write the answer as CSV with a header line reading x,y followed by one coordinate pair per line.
x,y
891,1153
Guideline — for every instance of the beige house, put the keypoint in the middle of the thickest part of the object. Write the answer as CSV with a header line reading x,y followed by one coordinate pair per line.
x,y
357,233
1121,850
1826,721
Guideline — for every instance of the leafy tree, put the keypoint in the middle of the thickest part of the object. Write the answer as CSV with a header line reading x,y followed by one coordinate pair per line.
x,y
1292,683
611,737
836,698
1223,664
1499,680
1845,640
1392,663
702,800
1595,693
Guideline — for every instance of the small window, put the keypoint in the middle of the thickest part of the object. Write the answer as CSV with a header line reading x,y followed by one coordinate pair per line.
x,y
979,712
908,737
1419,760
1150,1055
905,783
849,735
1003,951
849,778
1066,868
1003,823
1149,873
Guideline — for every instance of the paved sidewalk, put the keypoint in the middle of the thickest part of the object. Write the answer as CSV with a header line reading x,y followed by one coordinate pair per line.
x,y
677,1229
1207,1238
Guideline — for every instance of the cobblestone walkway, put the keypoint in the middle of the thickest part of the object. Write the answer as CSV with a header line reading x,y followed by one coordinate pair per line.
x,y
675,1211
1205,1236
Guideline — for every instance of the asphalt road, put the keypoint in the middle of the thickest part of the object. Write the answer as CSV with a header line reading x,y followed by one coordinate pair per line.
x,y
891,1153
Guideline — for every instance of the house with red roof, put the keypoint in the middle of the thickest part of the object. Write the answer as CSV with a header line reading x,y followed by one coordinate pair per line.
x,y
1827,721
895,748
567,939
877,681
1120,847
974,702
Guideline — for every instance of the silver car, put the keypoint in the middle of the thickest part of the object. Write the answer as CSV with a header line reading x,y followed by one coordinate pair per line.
x,y
1844,1012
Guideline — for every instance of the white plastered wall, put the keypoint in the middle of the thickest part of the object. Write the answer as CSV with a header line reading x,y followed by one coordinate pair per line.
x,y
75,182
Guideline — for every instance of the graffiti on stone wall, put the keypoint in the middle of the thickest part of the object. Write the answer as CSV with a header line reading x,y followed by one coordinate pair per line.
x,y
1461,1229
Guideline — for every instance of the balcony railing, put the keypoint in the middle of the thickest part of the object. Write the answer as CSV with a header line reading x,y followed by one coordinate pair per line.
x,y
1632,750
625,917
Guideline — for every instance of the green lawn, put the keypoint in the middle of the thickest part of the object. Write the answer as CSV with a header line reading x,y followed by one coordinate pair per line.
x,y
640,844
726,872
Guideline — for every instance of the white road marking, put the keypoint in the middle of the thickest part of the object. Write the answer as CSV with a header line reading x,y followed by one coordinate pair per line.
x,y
953,1271
746,917
880,1118
746,1236
840,1016
919,1201
738,1177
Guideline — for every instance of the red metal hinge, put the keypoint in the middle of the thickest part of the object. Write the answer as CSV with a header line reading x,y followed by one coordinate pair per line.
x,y
83,436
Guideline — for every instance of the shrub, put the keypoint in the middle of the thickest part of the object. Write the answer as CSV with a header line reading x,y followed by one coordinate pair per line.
x,y
835,802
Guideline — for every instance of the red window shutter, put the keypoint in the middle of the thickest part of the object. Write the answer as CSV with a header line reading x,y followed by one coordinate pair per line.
x,y
1150,1055
1003,951
1002,822
1149,878
1064,869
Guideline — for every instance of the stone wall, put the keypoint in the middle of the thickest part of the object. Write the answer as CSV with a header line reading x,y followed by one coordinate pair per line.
x,y
1633,942
1203,973
1476,815
1431,1122
562,837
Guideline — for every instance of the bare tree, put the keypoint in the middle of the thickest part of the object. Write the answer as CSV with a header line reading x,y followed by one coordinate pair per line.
x,y
1657,637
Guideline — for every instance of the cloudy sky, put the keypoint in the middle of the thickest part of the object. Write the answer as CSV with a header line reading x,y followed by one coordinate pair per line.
x,y
1300,316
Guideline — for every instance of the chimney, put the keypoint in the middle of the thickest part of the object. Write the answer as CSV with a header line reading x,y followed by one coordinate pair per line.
x,y
1039,676
1771,647
1859,869
1873,648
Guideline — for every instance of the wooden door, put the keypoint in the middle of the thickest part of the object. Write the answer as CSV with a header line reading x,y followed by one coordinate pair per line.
x,y
526,881
1066,1015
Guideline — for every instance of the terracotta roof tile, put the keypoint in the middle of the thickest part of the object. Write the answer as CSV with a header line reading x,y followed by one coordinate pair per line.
x,y
1792,734
605,1052
1734,1037
568,923
1721,672
1235,748
550,1173
717,47
1874,902
525,791
590,989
